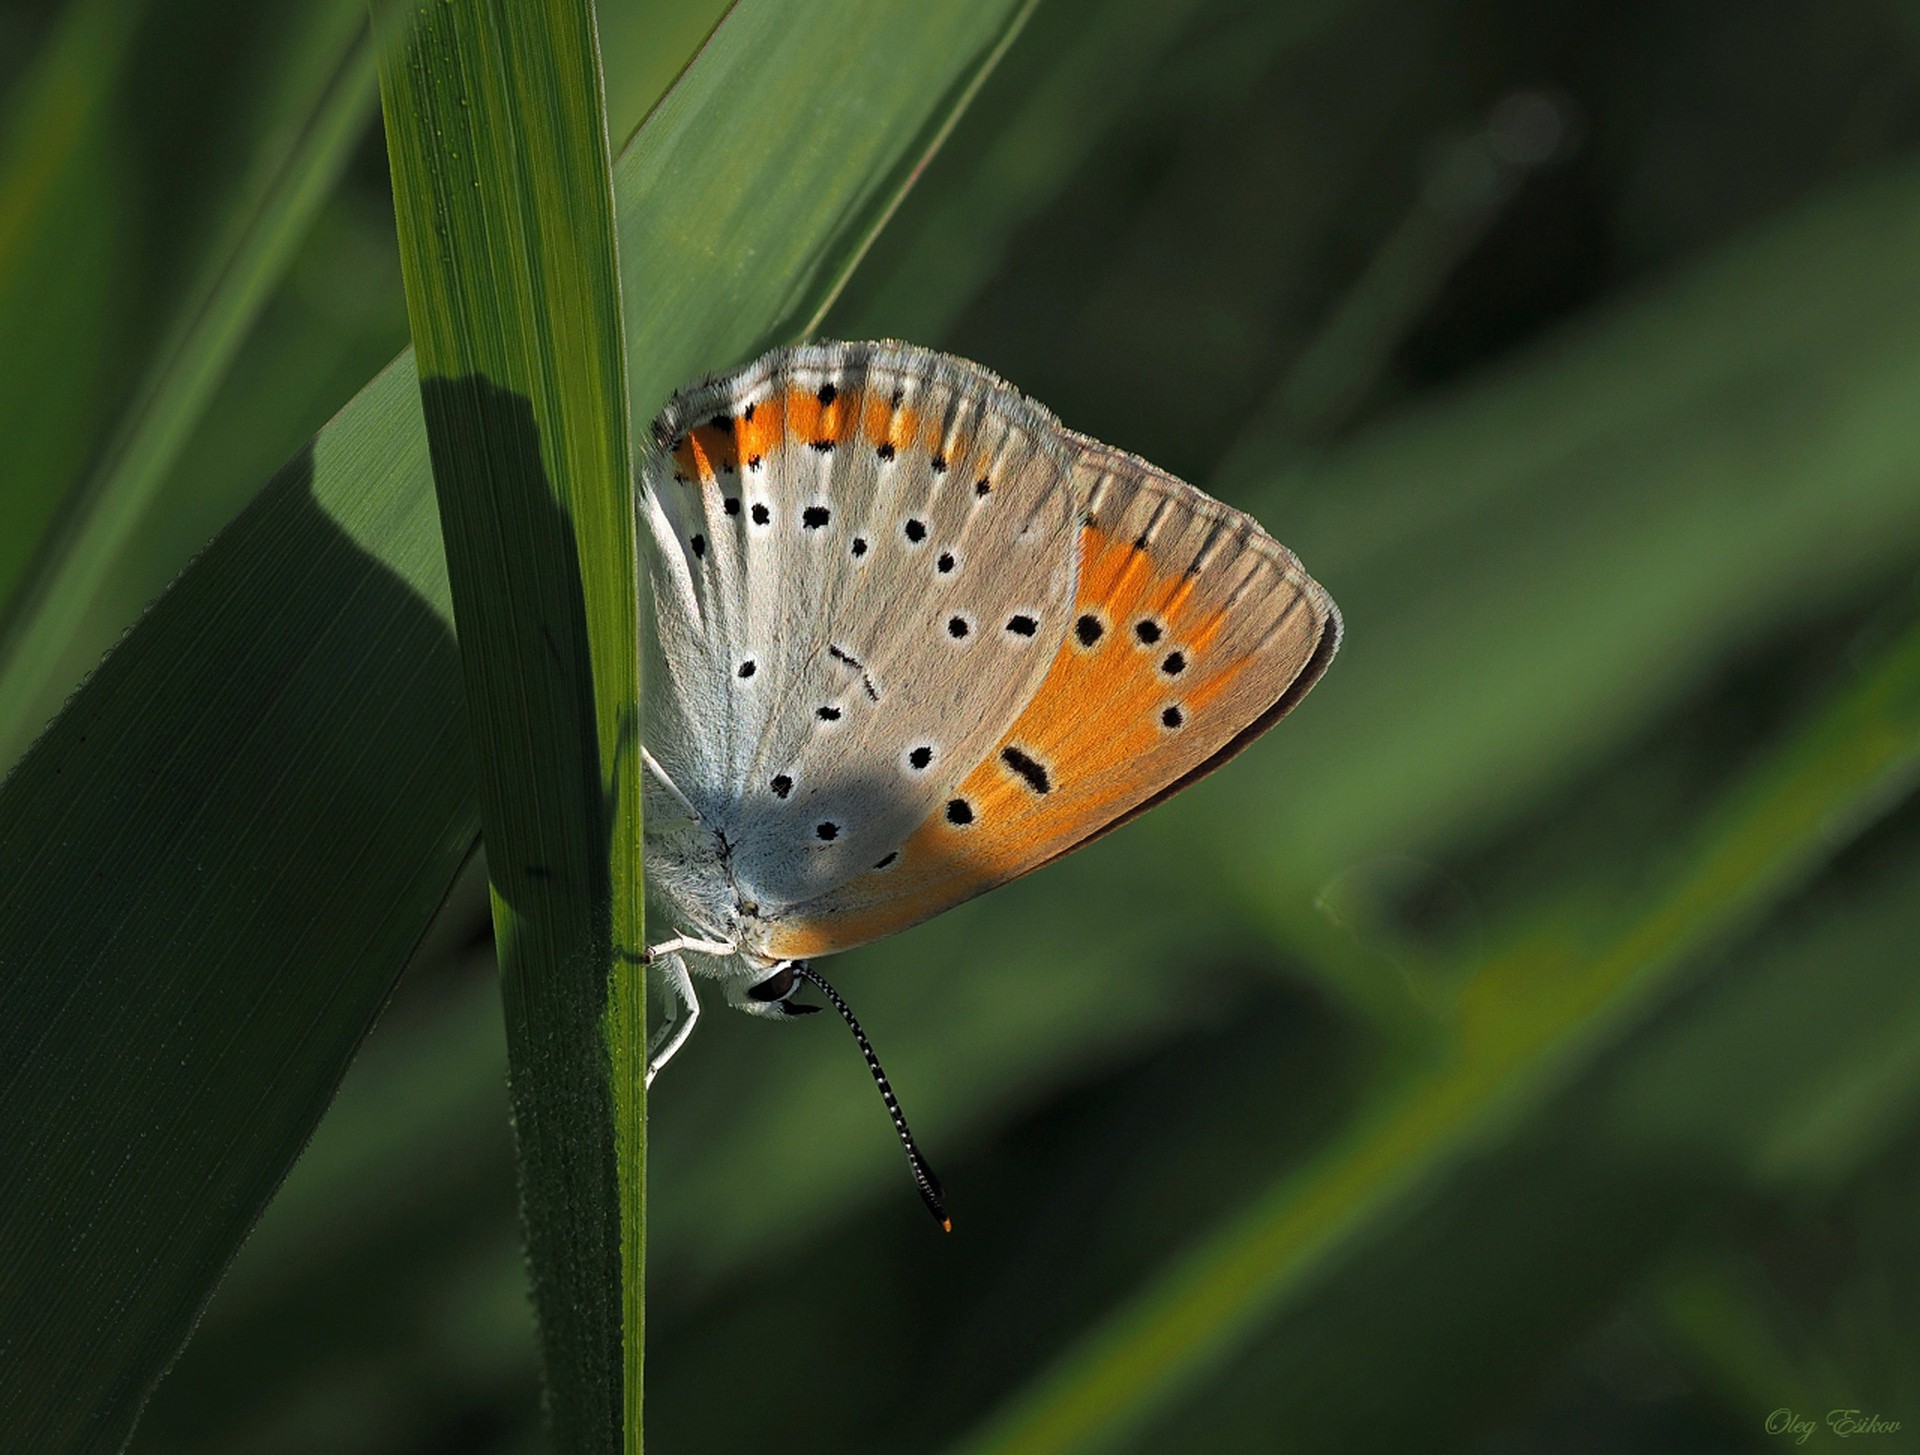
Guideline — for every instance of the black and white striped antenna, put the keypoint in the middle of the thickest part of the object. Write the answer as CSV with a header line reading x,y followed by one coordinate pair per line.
x,y
923,1177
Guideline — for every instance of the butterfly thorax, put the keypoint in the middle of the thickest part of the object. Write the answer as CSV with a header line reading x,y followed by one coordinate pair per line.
x,y
695,891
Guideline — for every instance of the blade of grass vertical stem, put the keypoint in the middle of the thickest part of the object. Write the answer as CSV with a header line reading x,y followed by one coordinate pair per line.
x,y
503,194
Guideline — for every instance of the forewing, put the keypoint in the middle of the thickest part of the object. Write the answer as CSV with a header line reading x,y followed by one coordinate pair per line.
x,y
1192,631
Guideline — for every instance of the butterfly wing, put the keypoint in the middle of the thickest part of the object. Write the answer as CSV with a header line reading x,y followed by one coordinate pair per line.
x,y
1192,631
860,556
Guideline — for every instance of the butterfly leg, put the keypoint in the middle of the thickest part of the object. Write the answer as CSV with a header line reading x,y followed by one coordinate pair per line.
x,y
683,1009
686,942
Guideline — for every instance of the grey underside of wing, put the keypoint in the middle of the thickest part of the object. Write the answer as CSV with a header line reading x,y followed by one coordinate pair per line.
x,y
859,657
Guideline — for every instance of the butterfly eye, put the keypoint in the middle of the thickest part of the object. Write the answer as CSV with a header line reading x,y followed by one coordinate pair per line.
x,y
777,986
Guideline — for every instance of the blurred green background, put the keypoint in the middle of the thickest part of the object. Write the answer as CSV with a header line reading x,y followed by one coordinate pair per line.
x,y
1517,1051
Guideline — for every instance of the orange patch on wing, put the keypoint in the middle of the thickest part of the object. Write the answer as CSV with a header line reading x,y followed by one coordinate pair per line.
x,y
712,450
877,420
1095,721
759,434
807,939
808,420
1095,730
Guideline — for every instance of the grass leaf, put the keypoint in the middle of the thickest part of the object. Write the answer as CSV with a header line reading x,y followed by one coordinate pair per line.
x,y
497,138
310,110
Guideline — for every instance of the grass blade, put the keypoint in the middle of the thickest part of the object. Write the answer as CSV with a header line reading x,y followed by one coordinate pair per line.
x,y
324,84
497,138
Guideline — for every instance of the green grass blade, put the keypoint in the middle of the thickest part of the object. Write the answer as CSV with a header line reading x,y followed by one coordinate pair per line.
x,y
1077,72
497,138
1521,1027
313,108
822,190
215,862
58,293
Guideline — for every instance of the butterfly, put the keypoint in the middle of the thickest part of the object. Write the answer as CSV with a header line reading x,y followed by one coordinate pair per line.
x,y
906,638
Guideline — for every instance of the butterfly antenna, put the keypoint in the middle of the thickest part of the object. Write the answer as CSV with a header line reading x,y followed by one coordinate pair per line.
x,y
923,1177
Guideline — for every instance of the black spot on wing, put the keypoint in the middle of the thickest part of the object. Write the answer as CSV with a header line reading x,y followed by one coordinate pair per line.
x,y
1029,770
